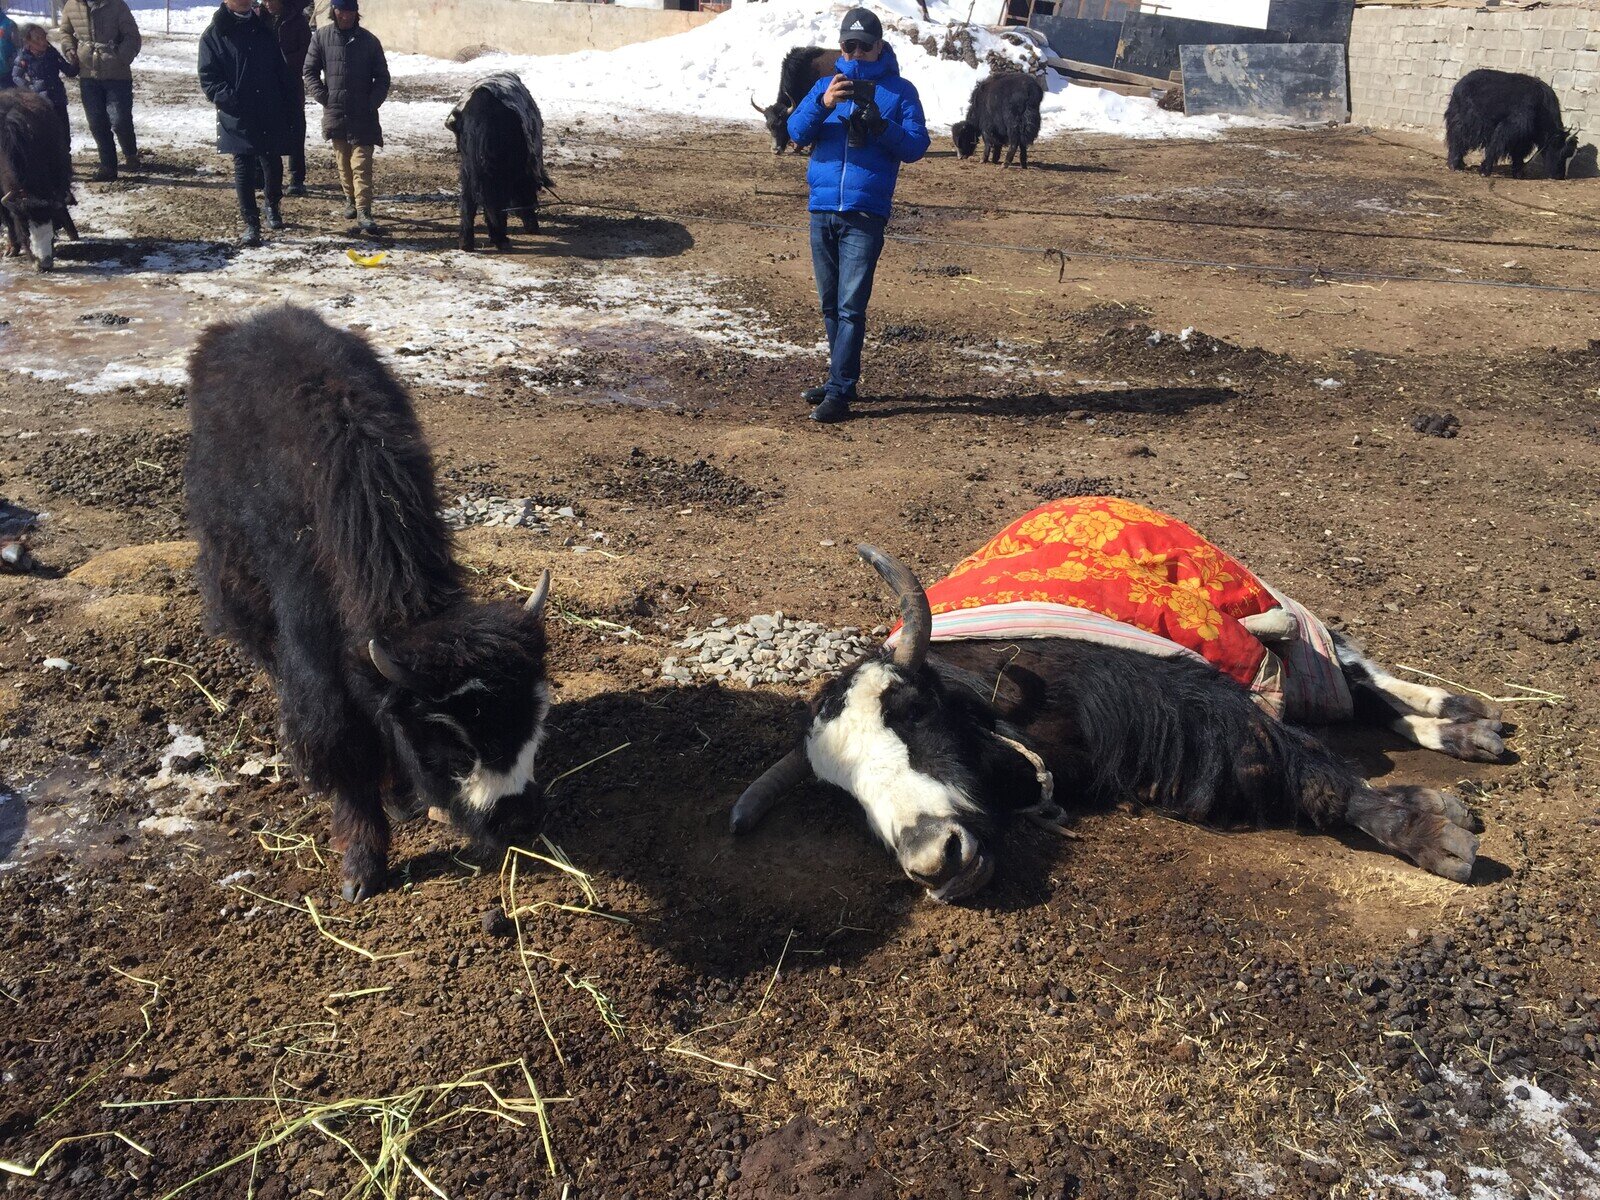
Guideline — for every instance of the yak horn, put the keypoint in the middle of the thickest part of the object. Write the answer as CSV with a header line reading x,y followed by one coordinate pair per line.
x,y
760,796
757,107
916,621
535,605
391,670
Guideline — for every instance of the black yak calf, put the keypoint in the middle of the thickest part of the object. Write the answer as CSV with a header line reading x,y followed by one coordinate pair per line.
x,y
500,139
324,557
1004,111
35,175
1506,116
801,69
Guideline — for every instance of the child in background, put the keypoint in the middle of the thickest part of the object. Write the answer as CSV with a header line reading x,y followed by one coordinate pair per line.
x,y
10,42
39,68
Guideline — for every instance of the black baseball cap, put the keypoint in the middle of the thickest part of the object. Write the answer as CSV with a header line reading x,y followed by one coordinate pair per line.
x,y
861,25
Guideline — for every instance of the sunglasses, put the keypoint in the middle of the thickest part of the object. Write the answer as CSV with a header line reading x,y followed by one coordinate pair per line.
x,y
855,47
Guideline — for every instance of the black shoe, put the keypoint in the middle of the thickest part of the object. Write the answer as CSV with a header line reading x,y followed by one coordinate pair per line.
x,y
367,225
831,411
104,175
251,235
274,218
815,395
349,210
295,189
132,161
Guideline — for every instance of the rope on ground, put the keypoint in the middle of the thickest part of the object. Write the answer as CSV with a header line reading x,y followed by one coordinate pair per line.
x,y
1503,199
1214,223
1316,273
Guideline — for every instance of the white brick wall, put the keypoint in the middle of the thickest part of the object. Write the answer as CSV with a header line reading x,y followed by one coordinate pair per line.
x,y
1404,61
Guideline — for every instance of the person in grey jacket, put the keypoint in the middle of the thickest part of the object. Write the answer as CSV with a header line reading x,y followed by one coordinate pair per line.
x,y
101,39
346,73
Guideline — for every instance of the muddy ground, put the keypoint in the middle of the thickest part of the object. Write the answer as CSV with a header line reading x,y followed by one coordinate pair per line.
x,y
1151,1009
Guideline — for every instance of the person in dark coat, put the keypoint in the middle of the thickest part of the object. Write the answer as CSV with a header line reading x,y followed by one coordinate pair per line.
x,y
39,68
291,21
243,73
347,74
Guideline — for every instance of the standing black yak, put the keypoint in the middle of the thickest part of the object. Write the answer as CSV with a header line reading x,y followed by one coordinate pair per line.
x,y
324,557
35,175
1096,649
500,138
1506,116
802,67
1004,111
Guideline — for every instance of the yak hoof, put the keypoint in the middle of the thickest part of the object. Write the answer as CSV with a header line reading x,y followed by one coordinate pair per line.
x,y
356,890
1472,741
1468,708
1446,849
1439,833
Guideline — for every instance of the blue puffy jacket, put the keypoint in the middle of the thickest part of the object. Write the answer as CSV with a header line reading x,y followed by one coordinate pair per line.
x,y
846,180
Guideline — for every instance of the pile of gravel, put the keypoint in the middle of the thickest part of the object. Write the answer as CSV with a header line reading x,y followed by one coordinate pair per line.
x,y
768,648
498,510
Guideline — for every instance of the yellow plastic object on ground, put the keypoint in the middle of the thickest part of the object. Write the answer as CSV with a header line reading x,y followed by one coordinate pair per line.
x,y
367,260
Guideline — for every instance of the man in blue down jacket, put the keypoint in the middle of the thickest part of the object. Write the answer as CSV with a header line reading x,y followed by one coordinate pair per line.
x,y
857,148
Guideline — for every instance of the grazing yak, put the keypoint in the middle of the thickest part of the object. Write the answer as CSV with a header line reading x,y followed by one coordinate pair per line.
x,y
1100,650
801,69
1004,111
324,557
500,140
1506,116
35,175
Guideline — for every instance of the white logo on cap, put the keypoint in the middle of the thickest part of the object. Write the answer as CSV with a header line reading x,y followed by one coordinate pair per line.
x,y
856,24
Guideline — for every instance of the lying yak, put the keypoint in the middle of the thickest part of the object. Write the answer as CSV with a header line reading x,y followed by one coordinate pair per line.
x,y
1506,116
500,140
801,69
1004,111
1099,649
324,557
35,175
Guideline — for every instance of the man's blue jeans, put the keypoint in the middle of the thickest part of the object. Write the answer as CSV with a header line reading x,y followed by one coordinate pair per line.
x,y
844,253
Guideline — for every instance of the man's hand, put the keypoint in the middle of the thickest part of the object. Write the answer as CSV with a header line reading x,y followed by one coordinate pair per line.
x,y
839,89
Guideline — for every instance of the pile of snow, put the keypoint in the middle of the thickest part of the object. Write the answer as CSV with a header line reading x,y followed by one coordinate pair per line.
x,y
712,71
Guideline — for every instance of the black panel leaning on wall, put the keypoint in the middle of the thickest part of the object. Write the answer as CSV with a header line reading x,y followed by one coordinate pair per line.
x,y
1150,43
1080,39
1312,20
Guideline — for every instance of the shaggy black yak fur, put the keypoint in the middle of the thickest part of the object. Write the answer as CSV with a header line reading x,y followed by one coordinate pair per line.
x,y
324,557
35,175
1004,112
1506,116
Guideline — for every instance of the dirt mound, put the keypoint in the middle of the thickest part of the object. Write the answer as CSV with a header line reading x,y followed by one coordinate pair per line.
x,y
140,474
131,564
804,1159
661,480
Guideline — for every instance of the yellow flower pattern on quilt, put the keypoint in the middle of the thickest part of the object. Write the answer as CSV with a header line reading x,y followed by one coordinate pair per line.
x,y
1122,560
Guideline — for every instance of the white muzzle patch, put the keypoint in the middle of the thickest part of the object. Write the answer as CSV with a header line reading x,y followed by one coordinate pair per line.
x,y
859,753
42,241
481,789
